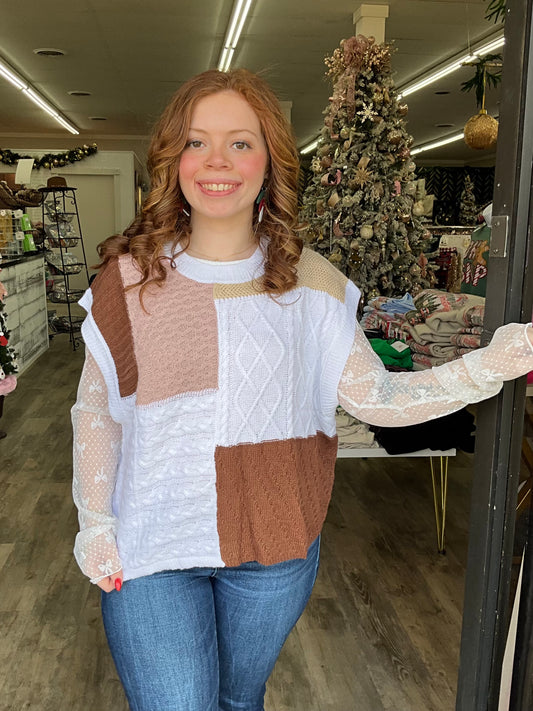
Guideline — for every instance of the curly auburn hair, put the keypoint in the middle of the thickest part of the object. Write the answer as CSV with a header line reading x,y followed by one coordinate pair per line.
x,y
162,219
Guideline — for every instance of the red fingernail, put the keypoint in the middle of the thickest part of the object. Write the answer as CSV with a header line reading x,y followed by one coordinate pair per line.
x,y
118,584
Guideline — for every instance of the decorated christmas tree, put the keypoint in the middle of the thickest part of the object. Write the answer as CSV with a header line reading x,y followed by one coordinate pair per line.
x,y
8,364
468,210
359,203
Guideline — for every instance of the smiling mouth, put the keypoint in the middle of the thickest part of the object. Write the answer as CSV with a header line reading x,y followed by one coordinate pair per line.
x,y
218,187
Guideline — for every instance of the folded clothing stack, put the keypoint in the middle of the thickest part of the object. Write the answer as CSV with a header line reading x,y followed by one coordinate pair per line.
x,y
387,315
352,433
443,327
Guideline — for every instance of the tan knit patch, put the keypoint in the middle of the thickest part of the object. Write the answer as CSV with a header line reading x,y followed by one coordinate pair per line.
x,y
234,291
314,272
272,497
111,316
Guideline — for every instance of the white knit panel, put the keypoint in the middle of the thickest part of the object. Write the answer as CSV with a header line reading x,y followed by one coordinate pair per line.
x,y
271,375
165,498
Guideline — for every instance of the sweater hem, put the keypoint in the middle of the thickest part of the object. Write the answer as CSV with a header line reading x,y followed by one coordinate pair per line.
x,y
172,564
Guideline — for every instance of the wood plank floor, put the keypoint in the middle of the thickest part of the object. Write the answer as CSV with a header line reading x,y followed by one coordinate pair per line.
x,y
381,631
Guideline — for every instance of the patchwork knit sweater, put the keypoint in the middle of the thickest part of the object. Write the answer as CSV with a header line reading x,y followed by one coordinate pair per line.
x,y
204,429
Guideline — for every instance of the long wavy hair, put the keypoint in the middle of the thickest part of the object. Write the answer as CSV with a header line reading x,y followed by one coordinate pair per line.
x,y
162,218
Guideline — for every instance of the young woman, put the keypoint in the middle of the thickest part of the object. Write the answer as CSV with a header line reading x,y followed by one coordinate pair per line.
x,y
204,430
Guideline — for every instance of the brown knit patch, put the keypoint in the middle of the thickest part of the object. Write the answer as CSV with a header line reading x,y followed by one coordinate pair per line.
x,y
317,273
272,497
111,315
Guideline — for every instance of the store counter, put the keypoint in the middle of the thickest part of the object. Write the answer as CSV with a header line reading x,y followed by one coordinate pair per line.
x,y
25,305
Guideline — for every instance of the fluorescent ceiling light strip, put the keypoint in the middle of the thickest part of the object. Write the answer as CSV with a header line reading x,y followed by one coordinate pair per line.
x,y
241,24
38,100
490,47
238,18
228,42
437,75
437,144
452,67
310,147
229,57
222,60
12,78
67,125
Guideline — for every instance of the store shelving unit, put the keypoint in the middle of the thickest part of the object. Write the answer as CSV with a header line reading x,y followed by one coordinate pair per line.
x,y
65,256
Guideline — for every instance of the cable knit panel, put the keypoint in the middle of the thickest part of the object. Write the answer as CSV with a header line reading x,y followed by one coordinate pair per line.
x,y
189,347
165,498
272,366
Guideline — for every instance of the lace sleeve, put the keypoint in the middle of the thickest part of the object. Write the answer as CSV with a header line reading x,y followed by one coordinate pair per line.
x,y
387,399
97,439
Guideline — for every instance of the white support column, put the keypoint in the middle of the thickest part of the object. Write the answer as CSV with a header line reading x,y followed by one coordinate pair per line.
x,y
369,20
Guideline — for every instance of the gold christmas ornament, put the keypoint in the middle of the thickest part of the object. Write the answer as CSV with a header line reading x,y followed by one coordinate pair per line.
x,y
418,209
405,217
366,231
403,109
326,161
394,137
333,199
481,131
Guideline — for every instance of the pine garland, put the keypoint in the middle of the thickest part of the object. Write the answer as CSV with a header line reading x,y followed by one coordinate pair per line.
x,y
50,160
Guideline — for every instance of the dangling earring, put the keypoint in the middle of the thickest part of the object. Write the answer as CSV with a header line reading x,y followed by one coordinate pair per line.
x,y
261,202
184,209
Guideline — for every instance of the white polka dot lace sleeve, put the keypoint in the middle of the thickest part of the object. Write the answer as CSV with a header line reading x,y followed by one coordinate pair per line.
x,y
391,399
97,439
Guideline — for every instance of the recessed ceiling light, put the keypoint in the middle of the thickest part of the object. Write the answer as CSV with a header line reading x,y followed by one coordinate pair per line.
x,y
441,93
98,118
49,52
444,125
80,93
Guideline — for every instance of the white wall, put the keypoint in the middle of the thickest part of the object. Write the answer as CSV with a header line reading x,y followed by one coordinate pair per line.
x,y
105,193
118,164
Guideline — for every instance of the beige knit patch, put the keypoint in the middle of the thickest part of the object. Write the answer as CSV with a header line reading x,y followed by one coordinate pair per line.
x,y
314,272
234,291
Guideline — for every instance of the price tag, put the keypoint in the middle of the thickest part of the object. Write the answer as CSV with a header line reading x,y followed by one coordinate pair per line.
x,y
399,346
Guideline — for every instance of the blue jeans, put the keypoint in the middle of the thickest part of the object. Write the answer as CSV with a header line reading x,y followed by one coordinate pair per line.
x,y
205,639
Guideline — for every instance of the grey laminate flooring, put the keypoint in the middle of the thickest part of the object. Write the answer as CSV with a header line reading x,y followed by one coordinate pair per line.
x,y
382,628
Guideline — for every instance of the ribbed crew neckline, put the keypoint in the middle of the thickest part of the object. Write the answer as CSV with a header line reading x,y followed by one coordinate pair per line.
x,y
207,271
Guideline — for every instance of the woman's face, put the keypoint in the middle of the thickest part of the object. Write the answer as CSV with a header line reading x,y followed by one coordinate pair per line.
x,y
224,163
